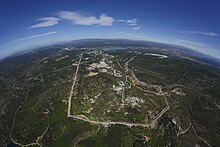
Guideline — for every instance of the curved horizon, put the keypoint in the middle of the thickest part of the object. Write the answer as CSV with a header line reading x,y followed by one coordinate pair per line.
x,y
179,23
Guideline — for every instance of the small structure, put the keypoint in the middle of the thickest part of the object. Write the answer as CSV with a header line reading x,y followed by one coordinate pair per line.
x,y
132,101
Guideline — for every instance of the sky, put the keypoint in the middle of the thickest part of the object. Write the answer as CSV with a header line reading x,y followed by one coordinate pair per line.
x,y
26,24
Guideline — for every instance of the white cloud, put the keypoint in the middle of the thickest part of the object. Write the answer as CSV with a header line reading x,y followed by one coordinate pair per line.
x,y
78,18
137,28
106,20
132,22
27,38
45,22
200,32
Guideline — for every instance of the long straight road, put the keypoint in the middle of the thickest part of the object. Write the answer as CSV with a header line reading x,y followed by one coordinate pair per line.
x,y
73,85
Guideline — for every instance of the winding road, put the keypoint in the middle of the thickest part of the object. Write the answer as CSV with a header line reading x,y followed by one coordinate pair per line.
x,y
107,123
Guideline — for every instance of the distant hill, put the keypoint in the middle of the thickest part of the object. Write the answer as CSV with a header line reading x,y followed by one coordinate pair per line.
x,y
175,49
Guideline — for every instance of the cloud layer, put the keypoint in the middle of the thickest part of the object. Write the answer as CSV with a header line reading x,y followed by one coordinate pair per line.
x,y
188,43
45,22
200,47
200,32
27,38
80,18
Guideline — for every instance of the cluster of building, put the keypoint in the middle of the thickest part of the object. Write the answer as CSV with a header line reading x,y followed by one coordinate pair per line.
x,y
120,88
105,68
132,101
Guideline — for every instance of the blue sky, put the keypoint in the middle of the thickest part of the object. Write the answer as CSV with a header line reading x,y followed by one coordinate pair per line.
x,y
31,23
